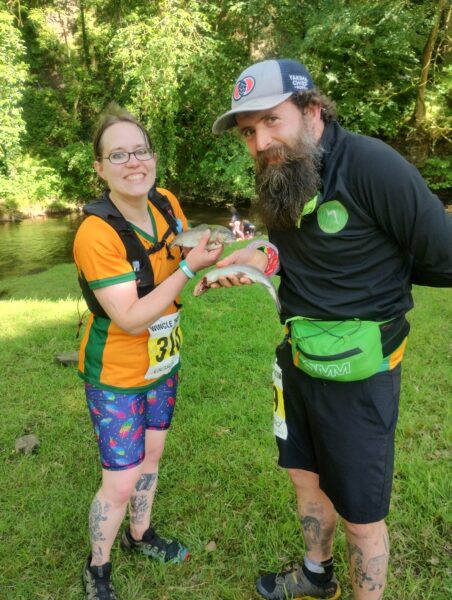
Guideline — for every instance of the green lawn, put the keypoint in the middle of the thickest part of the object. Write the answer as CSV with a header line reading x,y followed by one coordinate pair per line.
x,y
218,480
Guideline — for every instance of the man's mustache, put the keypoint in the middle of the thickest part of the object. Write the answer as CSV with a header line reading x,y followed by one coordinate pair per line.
x,y
281,153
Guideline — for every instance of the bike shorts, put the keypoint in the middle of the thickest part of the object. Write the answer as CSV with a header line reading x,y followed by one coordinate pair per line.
x,y
120,421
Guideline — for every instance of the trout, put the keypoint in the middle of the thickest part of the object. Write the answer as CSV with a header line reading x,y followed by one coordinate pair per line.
x,y
239,271
219,235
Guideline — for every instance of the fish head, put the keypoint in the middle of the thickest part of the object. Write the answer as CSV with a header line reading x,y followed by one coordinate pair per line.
x,y
201,287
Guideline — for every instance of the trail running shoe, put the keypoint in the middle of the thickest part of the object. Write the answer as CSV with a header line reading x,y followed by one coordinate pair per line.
x,y
97,582
294,585
167,551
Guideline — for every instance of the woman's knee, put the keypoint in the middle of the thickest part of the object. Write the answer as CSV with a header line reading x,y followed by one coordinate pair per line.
x,y
118,486
155,445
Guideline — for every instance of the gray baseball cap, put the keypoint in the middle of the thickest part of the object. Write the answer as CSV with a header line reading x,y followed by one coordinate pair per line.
x,y
264,85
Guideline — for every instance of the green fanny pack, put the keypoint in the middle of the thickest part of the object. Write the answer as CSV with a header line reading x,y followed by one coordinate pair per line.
x,y
336,350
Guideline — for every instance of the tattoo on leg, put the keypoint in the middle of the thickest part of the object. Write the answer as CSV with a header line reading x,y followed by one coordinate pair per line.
x,y
355,560
139,506
145,482
311,531
97,554
96,516
374,576
317,532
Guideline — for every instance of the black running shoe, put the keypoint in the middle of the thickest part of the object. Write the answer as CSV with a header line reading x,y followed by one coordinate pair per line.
x,y
163,550
97,582
294,585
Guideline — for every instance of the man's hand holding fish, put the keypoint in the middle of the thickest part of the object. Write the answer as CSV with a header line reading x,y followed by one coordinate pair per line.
x,y
243,267
246,256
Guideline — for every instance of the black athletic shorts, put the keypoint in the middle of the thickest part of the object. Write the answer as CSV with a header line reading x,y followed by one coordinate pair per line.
x,y
344,431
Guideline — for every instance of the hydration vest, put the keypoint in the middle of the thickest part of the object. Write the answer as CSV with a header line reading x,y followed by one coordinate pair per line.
x,y
137,255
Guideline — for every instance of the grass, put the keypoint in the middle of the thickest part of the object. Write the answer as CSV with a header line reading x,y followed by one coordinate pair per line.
x,y
218,480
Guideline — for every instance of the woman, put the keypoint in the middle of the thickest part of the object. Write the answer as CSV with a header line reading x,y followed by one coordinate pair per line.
x,y
129,356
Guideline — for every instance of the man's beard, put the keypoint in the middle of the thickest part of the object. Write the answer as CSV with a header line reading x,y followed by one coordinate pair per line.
x,y
284,186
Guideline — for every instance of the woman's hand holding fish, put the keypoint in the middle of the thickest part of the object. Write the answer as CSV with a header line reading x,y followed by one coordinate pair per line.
x,y
200,257
245,256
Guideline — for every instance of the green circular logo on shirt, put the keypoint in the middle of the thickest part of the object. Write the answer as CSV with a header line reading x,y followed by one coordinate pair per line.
x,y
332,216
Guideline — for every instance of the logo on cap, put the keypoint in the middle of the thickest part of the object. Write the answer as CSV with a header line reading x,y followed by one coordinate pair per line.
x,y
300,82
243,87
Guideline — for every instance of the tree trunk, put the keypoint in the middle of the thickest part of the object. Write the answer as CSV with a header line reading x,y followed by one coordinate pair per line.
x,y
84,37
419,110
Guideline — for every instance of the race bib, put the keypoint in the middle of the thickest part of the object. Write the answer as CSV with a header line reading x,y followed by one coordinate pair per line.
x,y
165,340
279,414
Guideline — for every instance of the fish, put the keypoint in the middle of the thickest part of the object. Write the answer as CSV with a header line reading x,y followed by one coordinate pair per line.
x,y
190,238
251,273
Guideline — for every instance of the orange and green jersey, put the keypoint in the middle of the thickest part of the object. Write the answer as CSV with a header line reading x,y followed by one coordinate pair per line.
x,y
111,358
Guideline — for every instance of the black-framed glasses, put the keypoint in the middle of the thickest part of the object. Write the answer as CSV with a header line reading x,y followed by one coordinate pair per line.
x,y
120,156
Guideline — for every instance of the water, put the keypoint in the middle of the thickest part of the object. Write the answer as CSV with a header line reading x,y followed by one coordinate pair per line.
x,y
34,245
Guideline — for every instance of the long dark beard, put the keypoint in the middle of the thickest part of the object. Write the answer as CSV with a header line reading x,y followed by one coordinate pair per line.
x,y
284,187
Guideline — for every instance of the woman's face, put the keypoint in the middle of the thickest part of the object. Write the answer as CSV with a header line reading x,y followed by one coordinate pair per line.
x,y
133,179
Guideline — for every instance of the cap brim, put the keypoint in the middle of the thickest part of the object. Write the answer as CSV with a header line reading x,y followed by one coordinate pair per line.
x,y
227,121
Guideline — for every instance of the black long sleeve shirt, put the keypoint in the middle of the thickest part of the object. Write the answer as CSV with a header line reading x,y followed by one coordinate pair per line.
x,y
376,229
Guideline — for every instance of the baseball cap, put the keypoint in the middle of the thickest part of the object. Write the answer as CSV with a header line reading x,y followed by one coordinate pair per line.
x,y
264,85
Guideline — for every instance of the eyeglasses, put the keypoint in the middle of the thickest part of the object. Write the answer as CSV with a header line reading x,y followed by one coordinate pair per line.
x,y
119,158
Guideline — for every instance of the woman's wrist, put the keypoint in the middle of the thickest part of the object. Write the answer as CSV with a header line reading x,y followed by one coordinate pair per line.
x,y
186,269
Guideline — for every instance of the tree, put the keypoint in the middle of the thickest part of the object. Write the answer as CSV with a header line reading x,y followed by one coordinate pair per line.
x,y
13,77
427,55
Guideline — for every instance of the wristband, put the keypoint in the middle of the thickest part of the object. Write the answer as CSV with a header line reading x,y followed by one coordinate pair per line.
x,y
272,254
186,269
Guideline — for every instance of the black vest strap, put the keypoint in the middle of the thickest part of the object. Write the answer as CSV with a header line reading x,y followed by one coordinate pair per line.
x,y
137,254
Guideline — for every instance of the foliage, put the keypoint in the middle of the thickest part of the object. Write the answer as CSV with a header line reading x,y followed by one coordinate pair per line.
x,y
80,180
170,45
173,64
364,62
31,183
226,167
13,75
438,172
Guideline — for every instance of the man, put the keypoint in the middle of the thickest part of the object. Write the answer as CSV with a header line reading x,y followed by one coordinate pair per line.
x,y
355,225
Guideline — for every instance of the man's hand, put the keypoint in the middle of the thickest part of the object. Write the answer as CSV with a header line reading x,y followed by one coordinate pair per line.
x,y
246,256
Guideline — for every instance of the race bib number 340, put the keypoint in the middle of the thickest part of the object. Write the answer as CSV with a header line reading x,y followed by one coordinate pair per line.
x,y
165,340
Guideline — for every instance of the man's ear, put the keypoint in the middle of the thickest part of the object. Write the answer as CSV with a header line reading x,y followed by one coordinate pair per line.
x,y
315,110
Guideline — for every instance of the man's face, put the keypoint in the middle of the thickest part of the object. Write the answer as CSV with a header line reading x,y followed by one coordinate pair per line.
x,y
285,145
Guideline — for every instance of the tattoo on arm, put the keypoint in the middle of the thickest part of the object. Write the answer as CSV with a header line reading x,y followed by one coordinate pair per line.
x,y
145,482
